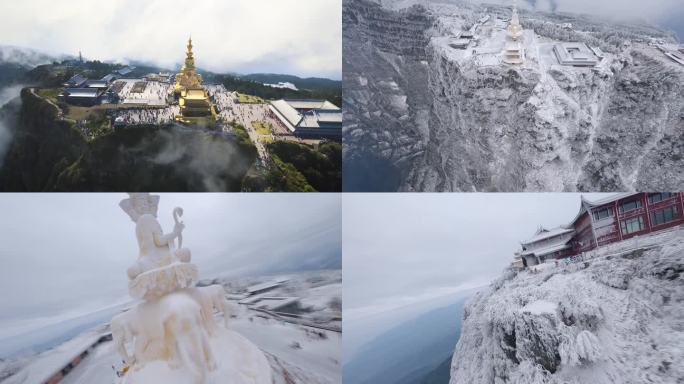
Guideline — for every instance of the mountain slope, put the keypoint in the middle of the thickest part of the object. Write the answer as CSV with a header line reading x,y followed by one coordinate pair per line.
x,y
443,119
310,83
408,352
614,318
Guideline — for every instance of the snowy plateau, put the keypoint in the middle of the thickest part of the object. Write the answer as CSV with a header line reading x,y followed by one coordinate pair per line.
x,y
617,316
422,115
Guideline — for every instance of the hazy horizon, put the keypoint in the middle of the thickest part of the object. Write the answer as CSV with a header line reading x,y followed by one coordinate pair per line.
x,y
667,14
408,253
302,38
64,255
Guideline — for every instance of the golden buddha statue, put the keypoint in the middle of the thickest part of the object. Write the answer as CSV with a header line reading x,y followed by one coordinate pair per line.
x,y
193,99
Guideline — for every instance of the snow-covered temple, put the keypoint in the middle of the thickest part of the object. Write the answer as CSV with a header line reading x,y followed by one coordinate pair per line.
x,y
575,54
602,222
514,51
547,244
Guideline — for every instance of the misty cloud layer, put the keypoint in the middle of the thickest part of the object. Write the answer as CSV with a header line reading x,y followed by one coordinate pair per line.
x,y
300,37
666,13
6,95
201,156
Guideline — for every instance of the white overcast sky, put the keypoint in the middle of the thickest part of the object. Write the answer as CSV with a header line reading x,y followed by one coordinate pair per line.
x,y
407,253
666,13
63,254
299,37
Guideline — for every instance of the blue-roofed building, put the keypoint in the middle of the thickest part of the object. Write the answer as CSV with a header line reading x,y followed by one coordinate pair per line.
x,y
125,71
309,118
109,78
81,96
99,84
76,81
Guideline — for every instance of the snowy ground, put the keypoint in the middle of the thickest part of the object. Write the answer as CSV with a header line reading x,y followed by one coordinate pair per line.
x,y
315,291
616,316
297,353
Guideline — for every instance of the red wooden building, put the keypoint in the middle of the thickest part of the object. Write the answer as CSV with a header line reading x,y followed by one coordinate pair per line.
x,y
616,218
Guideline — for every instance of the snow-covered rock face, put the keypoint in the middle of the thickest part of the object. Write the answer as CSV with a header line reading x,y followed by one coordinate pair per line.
x,y
448,121
386,100
617,318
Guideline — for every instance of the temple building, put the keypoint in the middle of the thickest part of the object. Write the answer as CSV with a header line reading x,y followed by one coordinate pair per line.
x,y
547,244
602,222
193,99
575,54
514,51
85,97
313,119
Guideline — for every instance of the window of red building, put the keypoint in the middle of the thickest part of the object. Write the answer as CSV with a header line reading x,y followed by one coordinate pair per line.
x,y
630,206
602,213
656,197
632,225
665,215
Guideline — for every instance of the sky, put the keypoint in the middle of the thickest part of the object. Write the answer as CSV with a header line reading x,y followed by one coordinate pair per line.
x,y
405,254
298,37
63,255
666,13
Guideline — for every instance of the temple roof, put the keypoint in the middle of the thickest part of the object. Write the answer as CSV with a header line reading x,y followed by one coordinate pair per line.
x,y
543,233
546,250
310,104
77,80
97,84
307,113
606,200
81,92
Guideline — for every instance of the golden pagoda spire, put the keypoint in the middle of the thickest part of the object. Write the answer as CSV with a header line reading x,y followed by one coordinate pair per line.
x,y
189,58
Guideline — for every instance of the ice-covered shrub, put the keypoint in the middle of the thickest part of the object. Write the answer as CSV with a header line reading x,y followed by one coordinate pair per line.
x,y
584,349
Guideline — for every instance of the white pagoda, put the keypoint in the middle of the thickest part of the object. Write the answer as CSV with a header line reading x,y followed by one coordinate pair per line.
x,y
514,51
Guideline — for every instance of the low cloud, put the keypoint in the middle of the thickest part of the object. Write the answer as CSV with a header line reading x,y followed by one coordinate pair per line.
x,y
7,94
301,37
205,156
655,11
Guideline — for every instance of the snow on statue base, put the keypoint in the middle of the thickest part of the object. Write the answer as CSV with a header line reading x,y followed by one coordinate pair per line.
x,y
171,337
237,361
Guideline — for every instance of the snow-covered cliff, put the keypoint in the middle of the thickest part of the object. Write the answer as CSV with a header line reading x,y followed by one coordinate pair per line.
x,y
617,317
452,120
